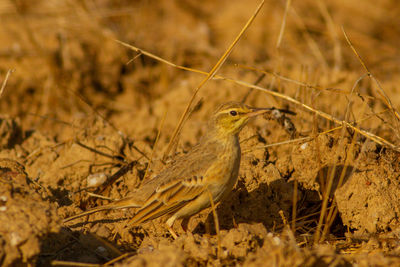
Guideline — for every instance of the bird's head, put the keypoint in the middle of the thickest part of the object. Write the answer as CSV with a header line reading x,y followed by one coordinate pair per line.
x,y
231,117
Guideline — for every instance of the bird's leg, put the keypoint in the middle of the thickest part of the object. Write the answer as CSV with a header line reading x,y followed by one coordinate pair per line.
x,y
169,224
185,224
172,232
234,222
207,227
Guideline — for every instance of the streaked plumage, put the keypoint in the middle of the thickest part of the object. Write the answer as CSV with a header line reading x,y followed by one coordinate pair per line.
x,y
180,190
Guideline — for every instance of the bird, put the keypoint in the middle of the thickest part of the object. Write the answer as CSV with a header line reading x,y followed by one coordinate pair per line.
x,y
185,187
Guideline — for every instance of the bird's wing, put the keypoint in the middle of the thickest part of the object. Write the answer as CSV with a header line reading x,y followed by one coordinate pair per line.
x,y
168,191
169,198
178,187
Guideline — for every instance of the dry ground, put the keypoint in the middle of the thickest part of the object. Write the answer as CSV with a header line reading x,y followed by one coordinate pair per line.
x,y
72,91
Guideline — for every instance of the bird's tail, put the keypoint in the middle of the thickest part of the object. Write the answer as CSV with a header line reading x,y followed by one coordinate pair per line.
x,y
119,204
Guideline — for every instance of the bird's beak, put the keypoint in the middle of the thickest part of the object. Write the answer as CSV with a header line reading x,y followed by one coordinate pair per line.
x,y
257,111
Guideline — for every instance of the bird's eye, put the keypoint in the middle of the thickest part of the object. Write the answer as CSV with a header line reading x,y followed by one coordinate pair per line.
x,y
233,113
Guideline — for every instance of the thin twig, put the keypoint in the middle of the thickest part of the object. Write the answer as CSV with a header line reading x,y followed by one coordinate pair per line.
x,y
9,72
86,101
294,208
328,219
123,256
314,47
120,133
210,75
337,51
216,222
381,91
326,192
135,57
74,263
259,79
98,151
100,196
283,217
45,117
307,138
282,30
302,139
367,134
123,170
350,154
322,114
155,143
324,220
306,85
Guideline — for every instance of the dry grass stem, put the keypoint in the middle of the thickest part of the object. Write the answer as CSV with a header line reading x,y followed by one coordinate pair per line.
x,y
82,124
97,151
72,263
301,139
322,114
259,79
306,85
282,30
210,75
108,122
294,208
386,99
3,85
327,191
123,256
155,143
100,196
313,45
284,220
216,222
326,220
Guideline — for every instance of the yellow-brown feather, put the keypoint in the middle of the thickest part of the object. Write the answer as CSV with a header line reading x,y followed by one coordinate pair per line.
x,y
181,189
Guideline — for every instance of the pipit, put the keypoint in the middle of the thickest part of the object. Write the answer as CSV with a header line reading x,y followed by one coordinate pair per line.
x,y
183,189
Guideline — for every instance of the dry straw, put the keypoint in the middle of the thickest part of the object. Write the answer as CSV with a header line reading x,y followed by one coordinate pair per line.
x,y
322,114
209,76
327,214
381,92
3,86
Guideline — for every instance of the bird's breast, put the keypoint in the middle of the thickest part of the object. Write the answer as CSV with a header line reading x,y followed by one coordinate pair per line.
x,y
224,172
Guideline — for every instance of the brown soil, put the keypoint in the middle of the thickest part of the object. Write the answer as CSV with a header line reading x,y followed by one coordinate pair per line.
x,y
72,92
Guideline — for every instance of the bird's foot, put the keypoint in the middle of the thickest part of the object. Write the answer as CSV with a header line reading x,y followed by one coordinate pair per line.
x,y
172,232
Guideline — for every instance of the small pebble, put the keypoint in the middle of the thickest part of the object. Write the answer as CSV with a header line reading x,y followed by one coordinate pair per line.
x,y
304,146
102,251
277,240
15,239
96,179
146,249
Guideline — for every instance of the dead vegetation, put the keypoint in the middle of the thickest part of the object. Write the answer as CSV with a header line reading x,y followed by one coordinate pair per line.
x,y
81,108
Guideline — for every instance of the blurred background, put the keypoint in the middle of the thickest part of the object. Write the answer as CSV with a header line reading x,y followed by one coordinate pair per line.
x,y
61,47
73,87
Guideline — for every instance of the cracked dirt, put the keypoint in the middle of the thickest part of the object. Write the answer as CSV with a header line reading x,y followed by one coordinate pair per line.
x,y
73,113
